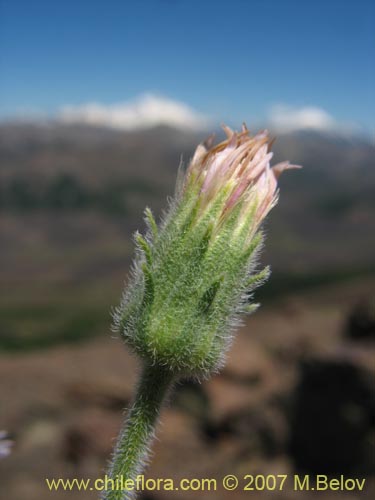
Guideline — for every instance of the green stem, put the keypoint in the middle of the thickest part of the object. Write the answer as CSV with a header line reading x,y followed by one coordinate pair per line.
x,y
131,452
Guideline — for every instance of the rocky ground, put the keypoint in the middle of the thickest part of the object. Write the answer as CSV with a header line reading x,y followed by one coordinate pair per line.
x,y
297,395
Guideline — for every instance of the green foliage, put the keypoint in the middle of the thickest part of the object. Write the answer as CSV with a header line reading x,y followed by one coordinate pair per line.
x,y
192,280
65,192
284,283
23,328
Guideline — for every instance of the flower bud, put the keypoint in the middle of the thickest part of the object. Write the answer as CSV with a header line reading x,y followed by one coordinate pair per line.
x,y
194,276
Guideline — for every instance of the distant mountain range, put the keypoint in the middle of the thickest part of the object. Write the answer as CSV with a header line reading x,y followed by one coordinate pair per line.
x,y
326,213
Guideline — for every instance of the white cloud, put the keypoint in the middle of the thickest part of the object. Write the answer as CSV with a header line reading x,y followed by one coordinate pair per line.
x,y
285,118
145,111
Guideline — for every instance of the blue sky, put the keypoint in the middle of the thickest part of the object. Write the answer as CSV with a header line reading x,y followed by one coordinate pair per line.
x,y
228,60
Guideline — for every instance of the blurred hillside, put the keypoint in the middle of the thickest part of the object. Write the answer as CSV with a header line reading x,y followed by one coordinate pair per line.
x,y
297,392
71,196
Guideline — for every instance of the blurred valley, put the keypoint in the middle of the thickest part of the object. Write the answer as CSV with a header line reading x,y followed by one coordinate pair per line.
x,y
297,392
71,197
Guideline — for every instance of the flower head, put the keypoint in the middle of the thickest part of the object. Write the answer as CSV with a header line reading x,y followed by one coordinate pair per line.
x,y
193,278
194,275
239,166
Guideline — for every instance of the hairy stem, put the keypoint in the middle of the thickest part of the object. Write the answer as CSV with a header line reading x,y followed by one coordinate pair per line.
x,y
132,449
